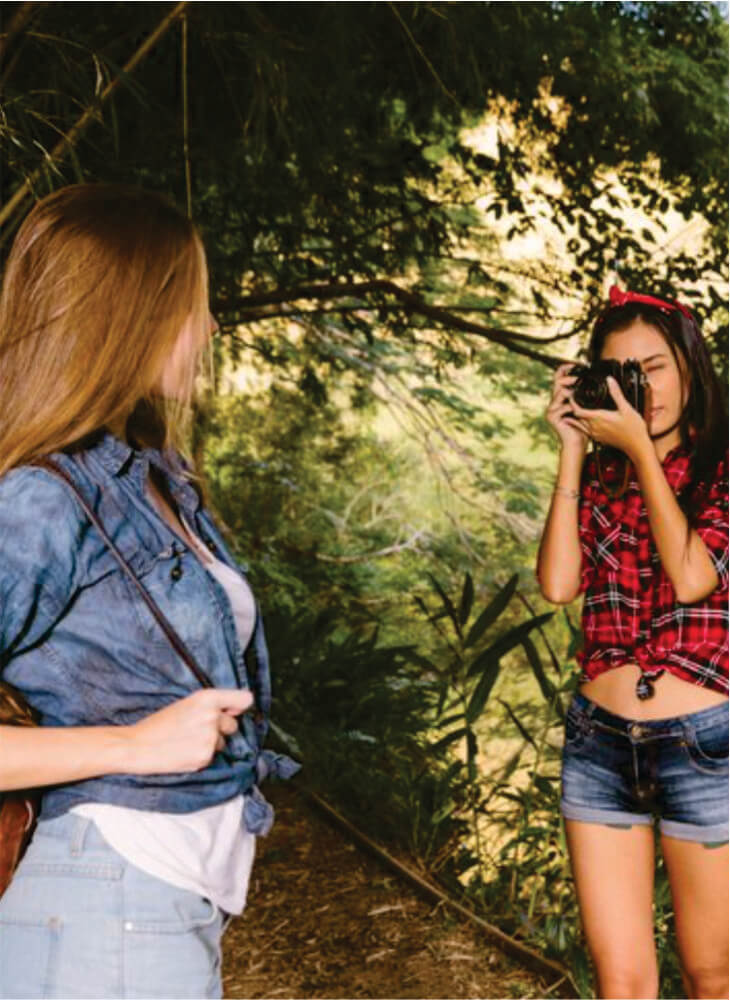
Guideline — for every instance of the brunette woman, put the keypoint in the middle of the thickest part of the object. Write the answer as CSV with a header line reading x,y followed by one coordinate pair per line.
x,y
647,734
150,807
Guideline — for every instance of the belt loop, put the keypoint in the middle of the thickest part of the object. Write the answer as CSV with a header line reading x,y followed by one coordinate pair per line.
x,y
78,835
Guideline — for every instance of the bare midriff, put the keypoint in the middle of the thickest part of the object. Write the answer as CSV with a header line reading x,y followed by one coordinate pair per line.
x,y
615,690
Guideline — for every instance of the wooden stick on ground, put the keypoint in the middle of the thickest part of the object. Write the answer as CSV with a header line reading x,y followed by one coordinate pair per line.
x,y
563,985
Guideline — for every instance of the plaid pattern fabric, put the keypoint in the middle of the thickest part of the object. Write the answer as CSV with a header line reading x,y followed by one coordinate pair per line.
x,y
631,612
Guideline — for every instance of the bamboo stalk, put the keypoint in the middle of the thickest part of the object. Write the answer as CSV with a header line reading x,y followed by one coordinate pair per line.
x,y
186,117
64,145
21,17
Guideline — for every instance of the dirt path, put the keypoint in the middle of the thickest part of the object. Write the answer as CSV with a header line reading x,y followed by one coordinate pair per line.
x,y
325,920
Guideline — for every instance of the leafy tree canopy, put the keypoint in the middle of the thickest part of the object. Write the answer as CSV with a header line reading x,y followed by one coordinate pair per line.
x,y
326,151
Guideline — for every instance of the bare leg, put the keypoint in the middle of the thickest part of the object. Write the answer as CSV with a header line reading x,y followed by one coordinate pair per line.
x,y
698,876
614,877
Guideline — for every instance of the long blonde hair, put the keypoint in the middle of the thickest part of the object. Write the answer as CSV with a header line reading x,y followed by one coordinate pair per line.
x,y
99,282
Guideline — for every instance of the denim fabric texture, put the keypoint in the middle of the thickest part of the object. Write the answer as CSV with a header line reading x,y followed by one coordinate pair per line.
x,y
79,642
623,772
78,920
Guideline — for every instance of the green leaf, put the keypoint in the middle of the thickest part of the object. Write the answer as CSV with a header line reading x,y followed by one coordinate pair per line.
x,y
482,691
544,785
526,735
467,599
493,610
546,686
451,719
472,749
443,813
443,694
576,636
449,608
507,641
448,739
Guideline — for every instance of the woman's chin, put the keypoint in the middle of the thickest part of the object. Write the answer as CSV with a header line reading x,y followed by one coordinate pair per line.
x,y
661,426
657,421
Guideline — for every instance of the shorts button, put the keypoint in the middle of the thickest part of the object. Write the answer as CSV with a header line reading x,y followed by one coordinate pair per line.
x,y
636,731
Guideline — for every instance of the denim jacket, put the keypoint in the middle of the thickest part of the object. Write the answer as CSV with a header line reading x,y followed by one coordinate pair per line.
x,y
80,643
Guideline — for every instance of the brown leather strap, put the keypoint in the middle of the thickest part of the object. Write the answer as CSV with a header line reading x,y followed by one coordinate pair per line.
x,y
174,639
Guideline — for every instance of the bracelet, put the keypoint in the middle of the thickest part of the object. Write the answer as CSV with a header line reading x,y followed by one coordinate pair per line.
x,y
563,491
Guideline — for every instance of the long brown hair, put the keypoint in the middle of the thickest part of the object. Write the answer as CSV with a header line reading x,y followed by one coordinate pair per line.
x,y
703,424
99,282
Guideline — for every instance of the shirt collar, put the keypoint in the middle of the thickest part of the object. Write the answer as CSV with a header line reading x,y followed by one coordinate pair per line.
x,y
676,454
681,451
119,456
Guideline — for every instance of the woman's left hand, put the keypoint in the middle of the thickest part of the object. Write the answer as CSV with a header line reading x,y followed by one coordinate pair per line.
x,y
623,428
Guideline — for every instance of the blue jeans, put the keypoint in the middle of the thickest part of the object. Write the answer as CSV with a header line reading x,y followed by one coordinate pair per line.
x,y
623,772
78,920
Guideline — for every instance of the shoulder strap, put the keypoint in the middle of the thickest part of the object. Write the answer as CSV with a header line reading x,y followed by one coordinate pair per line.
x,y
174,639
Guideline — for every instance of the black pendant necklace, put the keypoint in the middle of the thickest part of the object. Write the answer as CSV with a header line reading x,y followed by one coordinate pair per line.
x,y
644,688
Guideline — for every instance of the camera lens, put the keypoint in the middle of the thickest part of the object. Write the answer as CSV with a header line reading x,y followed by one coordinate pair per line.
x,y
591,393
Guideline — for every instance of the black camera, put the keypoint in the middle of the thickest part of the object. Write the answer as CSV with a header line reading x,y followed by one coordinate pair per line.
x,y
590,389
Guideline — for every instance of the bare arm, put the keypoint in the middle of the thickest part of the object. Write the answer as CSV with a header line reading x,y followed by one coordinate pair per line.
x,y
48,756
559,556
181,737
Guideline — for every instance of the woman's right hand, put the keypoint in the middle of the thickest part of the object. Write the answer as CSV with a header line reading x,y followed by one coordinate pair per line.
x,y
559,412
185,735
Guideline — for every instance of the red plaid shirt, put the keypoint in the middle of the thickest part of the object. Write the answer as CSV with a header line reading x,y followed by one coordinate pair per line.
x,y
631,612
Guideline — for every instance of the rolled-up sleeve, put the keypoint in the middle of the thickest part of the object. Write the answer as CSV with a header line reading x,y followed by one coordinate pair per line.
x,y
40,531
711,524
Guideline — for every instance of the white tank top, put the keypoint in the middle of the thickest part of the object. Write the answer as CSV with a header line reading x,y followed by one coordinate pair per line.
x,y
208,851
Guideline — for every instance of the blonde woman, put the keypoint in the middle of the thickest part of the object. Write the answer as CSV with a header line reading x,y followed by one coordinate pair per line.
x,y
150,807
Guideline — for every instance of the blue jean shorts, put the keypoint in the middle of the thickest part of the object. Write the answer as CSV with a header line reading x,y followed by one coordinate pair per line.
x,y
78,920
623,772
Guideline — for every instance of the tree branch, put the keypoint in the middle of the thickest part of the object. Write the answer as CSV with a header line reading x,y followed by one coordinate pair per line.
x,y
399,547
287,311
341,289
69,140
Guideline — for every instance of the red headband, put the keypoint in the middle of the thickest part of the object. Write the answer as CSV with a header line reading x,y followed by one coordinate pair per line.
x,y
618,298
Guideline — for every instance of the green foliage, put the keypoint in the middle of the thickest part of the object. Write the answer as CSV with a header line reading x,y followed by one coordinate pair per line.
x,y
359,715
329,145
333,159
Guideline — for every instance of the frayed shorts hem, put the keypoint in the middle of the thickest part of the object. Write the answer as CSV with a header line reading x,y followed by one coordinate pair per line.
x,y
716,834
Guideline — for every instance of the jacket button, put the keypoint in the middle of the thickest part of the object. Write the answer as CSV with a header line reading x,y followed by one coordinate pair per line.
x,y
176,572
